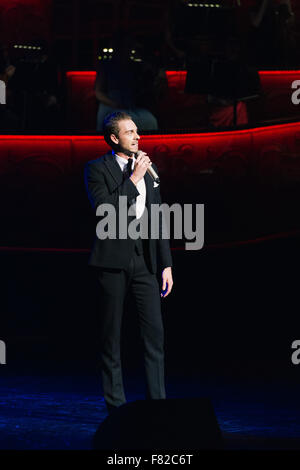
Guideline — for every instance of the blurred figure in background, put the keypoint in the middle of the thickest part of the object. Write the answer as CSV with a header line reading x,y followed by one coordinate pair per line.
x,y
36,86
270,37
6,69
233,84
122,83
8,118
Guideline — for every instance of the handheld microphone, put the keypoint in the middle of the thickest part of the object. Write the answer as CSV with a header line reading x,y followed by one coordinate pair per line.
x,y
150,171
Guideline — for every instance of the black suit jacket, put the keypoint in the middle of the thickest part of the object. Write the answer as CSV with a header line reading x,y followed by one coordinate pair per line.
x,y
105,182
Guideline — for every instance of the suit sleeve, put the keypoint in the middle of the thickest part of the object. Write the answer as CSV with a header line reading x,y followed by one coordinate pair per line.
x,y
99,191
164,250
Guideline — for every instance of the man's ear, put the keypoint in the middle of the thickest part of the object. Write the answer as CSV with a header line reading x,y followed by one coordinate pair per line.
x,y
114,139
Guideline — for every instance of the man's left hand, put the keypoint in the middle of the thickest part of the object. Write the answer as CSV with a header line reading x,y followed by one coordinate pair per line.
x,y
167,282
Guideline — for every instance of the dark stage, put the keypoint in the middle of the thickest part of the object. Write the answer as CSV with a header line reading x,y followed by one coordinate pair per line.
x,y
229,326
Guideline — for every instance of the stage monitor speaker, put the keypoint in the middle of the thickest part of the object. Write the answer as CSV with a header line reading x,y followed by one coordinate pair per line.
x,y
176,423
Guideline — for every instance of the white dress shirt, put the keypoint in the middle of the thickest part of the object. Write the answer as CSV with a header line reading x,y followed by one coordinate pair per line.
x,y
139,206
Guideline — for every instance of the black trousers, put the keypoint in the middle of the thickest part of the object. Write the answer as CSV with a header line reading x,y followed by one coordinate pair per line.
x,y
114,286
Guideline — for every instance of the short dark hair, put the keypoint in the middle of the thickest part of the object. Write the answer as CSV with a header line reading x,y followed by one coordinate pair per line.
x,y
111,125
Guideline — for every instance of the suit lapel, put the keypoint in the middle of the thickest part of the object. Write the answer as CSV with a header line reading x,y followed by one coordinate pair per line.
x,y
114,168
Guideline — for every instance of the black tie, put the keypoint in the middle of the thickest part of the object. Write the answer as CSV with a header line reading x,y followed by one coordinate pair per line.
x,y
128,168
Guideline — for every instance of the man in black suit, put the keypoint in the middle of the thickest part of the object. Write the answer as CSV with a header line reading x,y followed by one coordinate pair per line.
x,y
125,264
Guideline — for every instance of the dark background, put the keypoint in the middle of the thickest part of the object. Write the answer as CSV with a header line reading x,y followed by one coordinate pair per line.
x,y
234,307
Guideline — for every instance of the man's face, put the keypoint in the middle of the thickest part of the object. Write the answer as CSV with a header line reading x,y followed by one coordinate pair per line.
x,y
128,138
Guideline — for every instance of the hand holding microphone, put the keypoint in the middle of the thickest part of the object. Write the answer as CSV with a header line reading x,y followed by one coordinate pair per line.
x,y
143,165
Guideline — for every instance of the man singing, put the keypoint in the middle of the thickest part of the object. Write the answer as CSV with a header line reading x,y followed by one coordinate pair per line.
x,y
125,264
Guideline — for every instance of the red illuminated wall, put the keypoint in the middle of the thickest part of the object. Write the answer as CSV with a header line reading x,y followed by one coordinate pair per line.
x,y
51,156
43,201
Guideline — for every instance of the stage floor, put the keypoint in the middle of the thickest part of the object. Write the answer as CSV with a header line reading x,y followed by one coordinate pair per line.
x,y
59,412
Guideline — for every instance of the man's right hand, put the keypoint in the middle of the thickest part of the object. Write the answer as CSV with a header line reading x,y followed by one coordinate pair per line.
x,y
142,163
